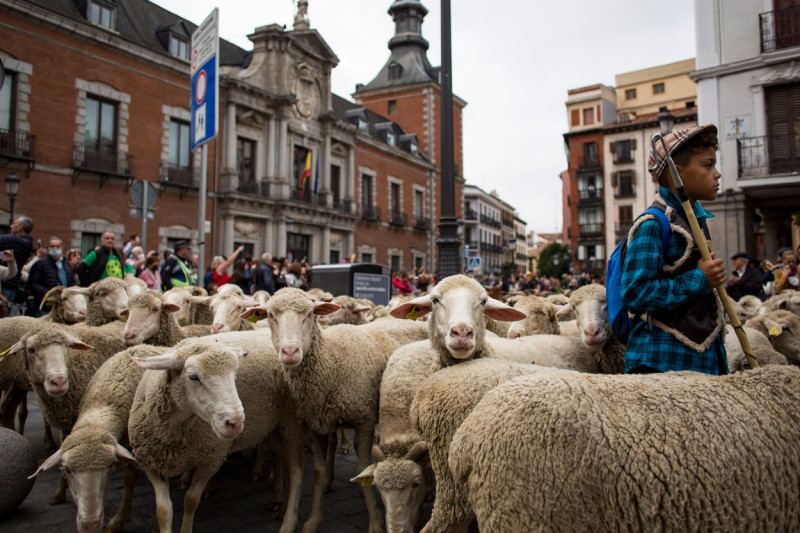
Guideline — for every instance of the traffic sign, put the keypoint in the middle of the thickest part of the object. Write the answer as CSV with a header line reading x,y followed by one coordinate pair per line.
x,y
204,71
137,190
474,264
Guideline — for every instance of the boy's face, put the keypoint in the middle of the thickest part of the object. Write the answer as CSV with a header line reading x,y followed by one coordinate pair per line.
x,y
700,176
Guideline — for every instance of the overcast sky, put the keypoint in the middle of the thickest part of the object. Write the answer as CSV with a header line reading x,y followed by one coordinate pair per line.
x,y
513,63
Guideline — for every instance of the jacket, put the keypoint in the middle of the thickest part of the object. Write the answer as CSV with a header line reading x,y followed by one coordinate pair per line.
x,y
44,276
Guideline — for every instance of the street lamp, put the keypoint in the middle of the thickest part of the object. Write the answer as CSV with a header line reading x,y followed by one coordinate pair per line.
x,y
12,189
665,121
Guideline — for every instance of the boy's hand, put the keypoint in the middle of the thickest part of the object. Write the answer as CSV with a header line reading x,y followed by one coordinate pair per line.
x,y
714,270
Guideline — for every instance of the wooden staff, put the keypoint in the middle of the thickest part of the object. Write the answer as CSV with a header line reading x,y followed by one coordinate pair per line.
x,y
702,244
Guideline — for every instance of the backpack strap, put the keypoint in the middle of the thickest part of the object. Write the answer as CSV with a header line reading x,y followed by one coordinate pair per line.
x,y
663,223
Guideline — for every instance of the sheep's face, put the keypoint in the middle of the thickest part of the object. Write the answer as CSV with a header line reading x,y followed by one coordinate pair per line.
x,y
401,484
541,318
143,320
782,328
592,320
210,384
112,301
46,358
74,306
182,299
135,286
227,312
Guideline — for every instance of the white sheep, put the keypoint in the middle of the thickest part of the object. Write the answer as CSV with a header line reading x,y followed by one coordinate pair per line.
x,y
540,317
782,328
351,311
68,305
763,351
786,301
676,451
150,319
334,376
201,391
107,298
193,301
227,309
90,452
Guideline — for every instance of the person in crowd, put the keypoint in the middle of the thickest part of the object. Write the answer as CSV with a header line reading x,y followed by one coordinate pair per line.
x,y
264,277
239,277
176,271
219,267
744,279
9,270
53,270
678,323
293,275
424,280
133,241
103,261
786,278
151,273
20,242
136,259
401,284
74,258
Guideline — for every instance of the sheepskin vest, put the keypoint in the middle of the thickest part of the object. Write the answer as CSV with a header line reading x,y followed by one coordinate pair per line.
x,y
698,322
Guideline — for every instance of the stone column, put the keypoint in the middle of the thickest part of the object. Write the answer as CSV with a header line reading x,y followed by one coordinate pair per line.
x,y
349,178
325,245
280,238
228,177
227,235
271,148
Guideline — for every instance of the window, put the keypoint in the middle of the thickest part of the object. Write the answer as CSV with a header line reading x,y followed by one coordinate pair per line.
x,y
590,186
366,191
101,126
395,260
101,13
575,117
588,116
178,47
8,102
622,150
658,88
630,94
394,198
336,184
391,140
89,241
179,145
392,106
419,205
395,71
783,121
245,161
366,257
362,124
625,216
590,153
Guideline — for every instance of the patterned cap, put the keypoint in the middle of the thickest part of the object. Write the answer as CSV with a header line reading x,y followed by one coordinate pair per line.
x,y
674,140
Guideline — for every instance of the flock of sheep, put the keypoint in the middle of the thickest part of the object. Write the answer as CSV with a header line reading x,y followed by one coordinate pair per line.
x,y
515,414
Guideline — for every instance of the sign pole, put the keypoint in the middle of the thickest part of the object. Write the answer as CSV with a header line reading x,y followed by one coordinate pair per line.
x,y
201,223
145,209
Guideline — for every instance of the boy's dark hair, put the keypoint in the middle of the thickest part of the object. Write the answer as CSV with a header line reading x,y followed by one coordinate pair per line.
x,y
687,150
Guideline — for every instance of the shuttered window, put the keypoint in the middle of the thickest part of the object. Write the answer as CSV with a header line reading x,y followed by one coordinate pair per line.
x,y
783,126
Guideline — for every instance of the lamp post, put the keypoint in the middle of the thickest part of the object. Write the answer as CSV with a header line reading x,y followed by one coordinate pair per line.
x,y
12,189
666,121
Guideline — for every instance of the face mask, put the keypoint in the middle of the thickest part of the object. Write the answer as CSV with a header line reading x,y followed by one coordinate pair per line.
x,y
55,254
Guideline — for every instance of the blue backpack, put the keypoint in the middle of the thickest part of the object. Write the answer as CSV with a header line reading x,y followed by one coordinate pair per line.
x,y
621,323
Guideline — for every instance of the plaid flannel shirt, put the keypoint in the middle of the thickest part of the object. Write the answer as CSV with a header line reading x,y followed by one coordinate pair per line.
x,y
645,288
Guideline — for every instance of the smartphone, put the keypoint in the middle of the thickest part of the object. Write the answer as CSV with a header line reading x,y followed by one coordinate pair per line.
x,y
38,243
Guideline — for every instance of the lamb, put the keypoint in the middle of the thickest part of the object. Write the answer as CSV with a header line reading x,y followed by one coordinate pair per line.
x,y
782,328
95,445
763,351
787,301
676,451
68,305
540,318
442,402
190,300
201,415
150,320
333,374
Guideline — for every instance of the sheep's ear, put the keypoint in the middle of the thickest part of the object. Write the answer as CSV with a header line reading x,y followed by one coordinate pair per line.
x,y
124,456
378,454
566,313
238,351
259,311
416,308
124,313
361,308
50,462
199,299
773,328
81,290
499,311
51,297
417,451
366,477
170,308
165,361
77,344
16,347
325,308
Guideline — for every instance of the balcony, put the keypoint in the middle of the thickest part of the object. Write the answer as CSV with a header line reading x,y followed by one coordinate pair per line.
x,y
179,177
397,219
589,161
780,29
488,221
588,230
17,145
306,196
469,214
421,223
344,205
370,213
625,191
767,156
106,162
594,266
590,196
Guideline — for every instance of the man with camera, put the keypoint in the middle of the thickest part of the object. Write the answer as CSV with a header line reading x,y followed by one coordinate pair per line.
x,y
744,279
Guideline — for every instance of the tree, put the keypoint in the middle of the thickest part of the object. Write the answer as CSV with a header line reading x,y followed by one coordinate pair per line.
x,y
554,260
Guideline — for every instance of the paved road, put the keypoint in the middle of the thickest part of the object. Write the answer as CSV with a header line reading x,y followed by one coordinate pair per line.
x,y
235,505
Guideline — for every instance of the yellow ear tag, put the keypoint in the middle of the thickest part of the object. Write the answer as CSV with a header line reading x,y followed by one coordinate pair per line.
x,y
774,331
366,482
412,315
6,351
49,303
252,318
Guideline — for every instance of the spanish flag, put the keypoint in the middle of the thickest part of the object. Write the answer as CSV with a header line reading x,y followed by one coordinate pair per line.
x,y
306,173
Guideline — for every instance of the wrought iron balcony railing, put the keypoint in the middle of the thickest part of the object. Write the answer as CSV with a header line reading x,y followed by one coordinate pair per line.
x,y
421,223
780,29
104,160
17,145
180,177
397,218
768,155
370,213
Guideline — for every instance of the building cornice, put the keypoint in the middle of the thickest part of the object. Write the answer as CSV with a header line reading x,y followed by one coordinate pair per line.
x,y
762,61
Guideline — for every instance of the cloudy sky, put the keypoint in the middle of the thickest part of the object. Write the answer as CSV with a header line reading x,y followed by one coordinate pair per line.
x,y
513,62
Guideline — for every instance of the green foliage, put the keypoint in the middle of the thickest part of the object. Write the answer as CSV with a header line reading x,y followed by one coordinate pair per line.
x,y
554,260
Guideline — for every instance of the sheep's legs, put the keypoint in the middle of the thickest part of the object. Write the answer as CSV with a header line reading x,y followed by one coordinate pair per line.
x,y
330,465
292,460
319,481
22,412
163,502
363,445
344,449
279,472
192,499
117,523
60,495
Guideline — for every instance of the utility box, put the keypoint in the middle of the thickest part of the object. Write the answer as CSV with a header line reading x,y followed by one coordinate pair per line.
x,y
371,281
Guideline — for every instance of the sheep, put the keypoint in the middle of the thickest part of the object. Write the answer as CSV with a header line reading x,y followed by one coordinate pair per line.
x,y
189,410
318,295
68,305
261,297
333,374
669,452
441,403
59,376
95,446
763,351
13,380
541,318
787,301
190,300
350,311
557,299
782,328
150,320
107,298
227,309
134,285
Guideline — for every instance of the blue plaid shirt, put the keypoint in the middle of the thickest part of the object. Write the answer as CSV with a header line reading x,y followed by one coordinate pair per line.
x,y
644,288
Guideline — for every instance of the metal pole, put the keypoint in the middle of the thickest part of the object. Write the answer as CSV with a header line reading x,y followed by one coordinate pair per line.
x,y
201,223
449,242
10,210
144,215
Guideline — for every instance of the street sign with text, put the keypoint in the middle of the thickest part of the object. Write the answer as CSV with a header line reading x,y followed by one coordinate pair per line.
x,y
205,80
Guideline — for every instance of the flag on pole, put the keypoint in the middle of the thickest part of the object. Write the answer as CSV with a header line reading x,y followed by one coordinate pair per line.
x,y
316,176
306,173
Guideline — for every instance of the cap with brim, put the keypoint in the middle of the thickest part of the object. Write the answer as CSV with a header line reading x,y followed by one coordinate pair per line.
x,y
674,140
181,244
740,255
